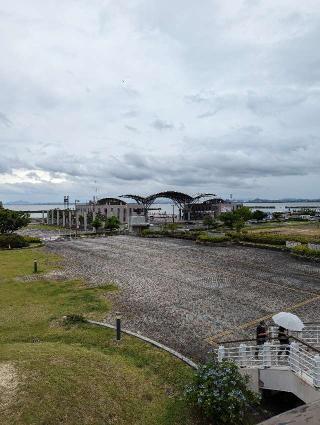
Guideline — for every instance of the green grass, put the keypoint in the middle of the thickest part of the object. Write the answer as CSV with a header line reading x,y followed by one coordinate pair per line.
x,y
77,374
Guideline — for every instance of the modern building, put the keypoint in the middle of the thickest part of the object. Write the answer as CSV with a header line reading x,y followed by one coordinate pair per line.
x,y
211,207
108,207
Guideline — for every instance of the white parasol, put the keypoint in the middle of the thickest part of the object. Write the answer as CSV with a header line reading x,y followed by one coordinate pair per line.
x,y
288,321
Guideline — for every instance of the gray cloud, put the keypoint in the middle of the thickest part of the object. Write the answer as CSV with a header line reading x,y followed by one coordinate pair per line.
x,y
162,125
5,120
222,98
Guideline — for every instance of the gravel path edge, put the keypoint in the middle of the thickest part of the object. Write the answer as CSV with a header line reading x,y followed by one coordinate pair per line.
x,y
180,356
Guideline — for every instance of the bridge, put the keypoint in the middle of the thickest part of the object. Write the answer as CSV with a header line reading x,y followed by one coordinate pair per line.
x,y
294,368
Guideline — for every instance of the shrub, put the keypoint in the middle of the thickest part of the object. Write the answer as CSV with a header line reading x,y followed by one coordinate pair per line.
x,y
203,237
304,250
12,220
12,240
264,238
221,392
274,238
112,223
32,239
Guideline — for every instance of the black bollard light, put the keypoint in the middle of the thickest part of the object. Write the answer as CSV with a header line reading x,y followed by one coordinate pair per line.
x,y
35,266
118,326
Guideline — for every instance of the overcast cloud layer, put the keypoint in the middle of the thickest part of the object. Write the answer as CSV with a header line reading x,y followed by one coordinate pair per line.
x,y
147,95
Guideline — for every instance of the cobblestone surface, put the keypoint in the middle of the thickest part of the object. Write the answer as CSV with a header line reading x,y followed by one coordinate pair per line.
x,y
181,294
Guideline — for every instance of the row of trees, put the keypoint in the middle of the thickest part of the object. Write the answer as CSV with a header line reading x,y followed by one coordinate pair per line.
x,y
236,219
111,223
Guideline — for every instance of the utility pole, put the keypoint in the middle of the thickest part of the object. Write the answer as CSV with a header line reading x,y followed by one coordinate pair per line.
x,y
172,213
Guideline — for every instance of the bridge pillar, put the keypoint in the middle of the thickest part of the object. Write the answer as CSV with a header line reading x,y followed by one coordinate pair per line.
x,y
58,217
70,219
77,219
52,217
221,353
85,220
43,217
266,354
316,371
63,218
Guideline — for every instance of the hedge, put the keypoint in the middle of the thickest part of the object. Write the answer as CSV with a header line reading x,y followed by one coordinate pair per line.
x,y
32,239
212,239
12,240
304,250
273,239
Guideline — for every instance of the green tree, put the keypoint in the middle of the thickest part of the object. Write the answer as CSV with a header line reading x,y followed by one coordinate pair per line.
x,y
259,215
10,221
243,212
112,223
96,223
277,215
222,393
228,218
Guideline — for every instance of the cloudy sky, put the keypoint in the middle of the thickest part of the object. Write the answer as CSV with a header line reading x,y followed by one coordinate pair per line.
x,y
147,95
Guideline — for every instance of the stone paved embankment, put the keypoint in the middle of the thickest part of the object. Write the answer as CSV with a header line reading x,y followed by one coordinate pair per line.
x,y
182,294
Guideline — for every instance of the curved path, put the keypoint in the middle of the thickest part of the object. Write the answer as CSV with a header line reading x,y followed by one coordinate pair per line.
x,y
185,295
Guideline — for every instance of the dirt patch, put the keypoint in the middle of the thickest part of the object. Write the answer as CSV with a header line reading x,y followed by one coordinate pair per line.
x,y
8,384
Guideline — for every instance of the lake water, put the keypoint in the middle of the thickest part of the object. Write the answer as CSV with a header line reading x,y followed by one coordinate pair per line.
x,y
168,209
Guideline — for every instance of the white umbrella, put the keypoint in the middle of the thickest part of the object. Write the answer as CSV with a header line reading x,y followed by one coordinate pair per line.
x,y
288,321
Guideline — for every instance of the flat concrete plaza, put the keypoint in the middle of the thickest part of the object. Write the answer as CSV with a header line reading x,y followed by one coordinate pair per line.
x,y
187,296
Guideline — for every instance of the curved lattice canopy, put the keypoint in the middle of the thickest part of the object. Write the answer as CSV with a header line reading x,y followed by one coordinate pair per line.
x,y
110,201
139,199
179,198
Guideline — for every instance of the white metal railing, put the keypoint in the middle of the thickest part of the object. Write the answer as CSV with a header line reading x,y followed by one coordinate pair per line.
x,y
309,334
300,359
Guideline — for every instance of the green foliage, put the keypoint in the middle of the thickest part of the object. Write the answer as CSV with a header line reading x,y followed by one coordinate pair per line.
x,y
96,223
305,250
228,219
222,393
12,240
265,238
236,218
204,237
31,239
171,227
277,216
112,223
259,215
274,238
243,213
12,220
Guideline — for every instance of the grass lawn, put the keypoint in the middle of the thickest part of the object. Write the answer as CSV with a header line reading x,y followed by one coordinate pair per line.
x,y
309,230
52,373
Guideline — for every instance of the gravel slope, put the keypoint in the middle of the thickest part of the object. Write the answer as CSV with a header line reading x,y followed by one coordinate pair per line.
x,y
181,294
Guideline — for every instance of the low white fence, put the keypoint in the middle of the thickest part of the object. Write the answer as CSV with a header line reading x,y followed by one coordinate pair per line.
x,y
310,334
298,358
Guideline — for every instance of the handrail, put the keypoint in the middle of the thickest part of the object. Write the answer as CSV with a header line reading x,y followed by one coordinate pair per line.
x,y
305,343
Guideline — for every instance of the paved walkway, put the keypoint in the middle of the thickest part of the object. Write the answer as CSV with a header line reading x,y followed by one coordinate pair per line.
x,y
182,294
